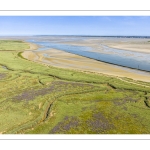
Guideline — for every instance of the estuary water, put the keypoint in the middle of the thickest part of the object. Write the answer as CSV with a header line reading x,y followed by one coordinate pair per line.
x,y
125,58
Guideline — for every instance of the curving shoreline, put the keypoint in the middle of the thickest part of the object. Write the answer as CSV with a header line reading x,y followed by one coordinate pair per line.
x,y
61,59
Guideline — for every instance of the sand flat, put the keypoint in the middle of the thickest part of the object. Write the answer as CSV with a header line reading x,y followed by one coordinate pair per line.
x,y
143,47
130,44
61,59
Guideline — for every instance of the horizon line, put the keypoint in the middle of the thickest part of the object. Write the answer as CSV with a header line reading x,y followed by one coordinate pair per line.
x,y
78,35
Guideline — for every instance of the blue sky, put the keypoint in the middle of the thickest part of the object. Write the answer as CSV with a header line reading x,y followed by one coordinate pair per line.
x,y
75,25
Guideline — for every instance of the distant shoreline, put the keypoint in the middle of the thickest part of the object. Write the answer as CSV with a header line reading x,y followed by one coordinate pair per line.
x,y
113,36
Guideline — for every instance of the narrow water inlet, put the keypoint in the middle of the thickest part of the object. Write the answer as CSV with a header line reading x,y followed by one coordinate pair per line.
x,y
139,61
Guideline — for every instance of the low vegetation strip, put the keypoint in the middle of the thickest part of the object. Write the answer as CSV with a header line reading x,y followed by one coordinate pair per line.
x,y
13,45
141,84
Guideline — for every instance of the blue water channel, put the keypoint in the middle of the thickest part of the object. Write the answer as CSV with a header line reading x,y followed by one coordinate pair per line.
x,y
135,60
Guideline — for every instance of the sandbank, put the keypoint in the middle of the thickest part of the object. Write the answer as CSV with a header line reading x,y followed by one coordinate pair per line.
x,y
130,44
61,59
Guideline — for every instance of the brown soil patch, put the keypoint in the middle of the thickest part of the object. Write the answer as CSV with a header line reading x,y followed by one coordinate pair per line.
x,y
2,75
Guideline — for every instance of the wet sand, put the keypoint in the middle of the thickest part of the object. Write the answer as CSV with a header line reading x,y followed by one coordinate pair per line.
x,y
61,59
130,44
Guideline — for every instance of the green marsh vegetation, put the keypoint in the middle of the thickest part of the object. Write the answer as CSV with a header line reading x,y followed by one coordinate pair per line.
x,y
11,45
40,99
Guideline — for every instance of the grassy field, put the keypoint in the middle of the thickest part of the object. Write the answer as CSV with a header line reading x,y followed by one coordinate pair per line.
x,y
41,99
